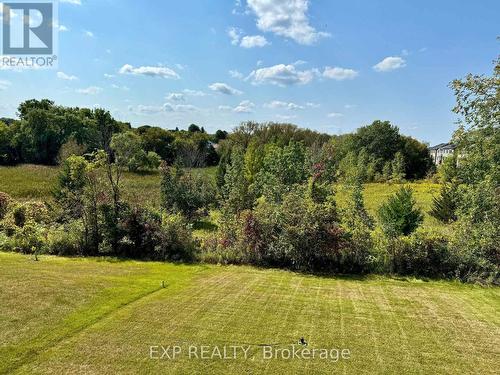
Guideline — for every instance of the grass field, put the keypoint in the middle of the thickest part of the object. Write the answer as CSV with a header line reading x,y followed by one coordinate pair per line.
x,y
101,316
36,182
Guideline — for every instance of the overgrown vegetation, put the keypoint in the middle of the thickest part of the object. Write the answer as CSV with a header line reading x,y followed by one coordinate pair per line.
x,y
275,191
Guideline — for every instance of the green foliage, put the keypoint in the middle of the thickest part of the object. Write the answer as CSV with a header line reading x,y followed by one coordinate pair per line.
x,y
423,254
235,192
282,167
184,193
398,168
399,215
5,201
296,233
444,206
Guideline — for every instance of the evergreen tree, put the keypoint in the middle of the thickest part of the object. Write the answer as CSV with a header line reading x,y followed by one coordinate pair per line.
x,y
445,205
400,215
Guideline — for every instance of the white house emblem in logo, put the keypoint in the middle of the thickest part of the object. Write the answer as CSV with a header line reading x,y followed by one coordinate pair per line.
x,y
29,34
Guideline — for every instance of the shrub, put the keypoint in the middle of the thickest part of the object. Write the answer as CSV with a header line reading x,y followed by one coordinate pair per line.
x,y
184,193
5,201
399,215
177,241
445,205
296,233
422,254
358,225
66,239
30,239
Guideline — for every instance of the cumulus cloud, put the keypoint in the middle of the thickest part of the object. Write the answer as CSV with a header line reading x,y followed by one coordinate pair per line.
x,y
253,41
176,97
286,18
390,63
66,77
92,90
74,2
194,92
282,75
236,74
235,35
277,104
167,107
335,114
224,88
246,106
179,107
339,74
313,105
150,71
88,33
247,41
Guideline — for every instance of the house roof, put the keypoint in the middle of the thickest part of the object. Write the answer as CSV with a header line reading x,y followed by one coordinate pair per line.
x,y
443,146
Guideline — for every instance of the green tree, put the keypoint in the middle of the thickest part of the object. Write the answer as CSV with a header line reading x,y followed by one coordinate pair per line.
x,y
398,168
444,206
400,214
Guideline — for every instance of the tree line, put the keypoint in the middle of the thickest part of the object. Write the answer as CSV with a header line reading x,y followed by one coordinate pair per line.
x,y
45,133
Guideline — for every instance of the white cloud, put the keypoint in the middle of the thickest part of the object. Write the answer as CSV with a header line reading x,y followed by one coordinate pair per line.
x,y
236,74
150,71
235,35
282,75
313,105
176,97
146,109
124,88
92,90
390,63
167,107
253,41
275,104
66,77
89,34
109,76
179,107
4,85
246,106
287,18
194,92
335,114
74,2
350,106
224,89
339,74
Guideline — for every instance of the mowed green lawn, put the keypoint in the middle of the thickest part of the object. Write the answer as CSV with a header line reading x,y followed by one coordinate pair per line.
x,y
26,182
101,316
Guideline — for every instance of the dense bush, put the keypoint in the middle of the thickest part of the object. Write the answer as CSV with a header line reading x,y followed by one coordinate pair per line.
x,y
185,193
422,254
296,233
400,215
5,201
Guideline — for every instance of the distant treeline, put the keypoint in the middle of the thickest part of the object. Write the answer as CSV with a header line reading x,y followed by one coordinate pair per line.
x,y
46,133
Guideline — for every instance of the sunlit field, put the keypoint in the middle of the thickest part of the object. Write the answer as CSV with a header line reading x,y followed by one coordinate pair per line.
x,y
26,182
63,315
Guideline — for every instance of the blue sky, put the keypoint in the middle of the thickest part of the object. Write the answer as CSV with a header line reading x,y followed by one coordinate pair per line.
x,y
328,65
